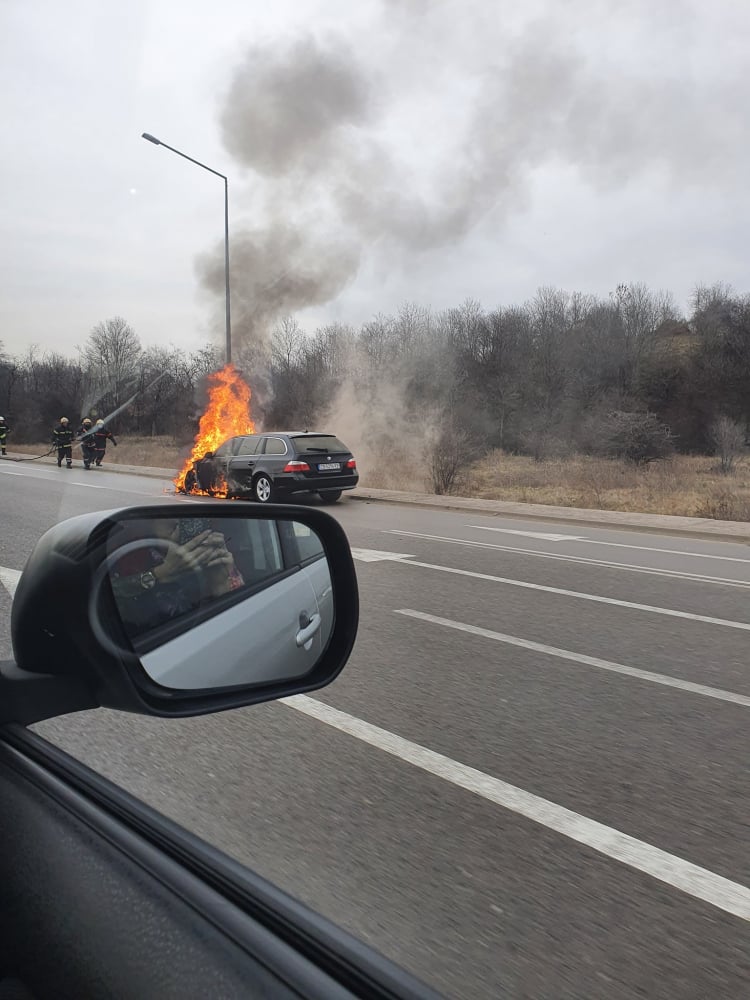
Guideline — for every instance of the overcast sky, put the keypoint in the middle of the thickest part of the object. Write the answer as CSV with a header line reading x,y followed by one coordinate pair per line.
x,y
378,152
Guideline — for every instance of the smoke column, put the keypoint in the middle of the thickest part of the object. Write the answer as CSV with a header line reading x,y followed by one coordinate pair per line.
x,y
403,138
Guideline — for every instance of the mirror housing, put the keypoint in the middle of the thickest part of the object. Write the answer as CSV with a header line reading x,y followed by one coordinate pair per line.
x,y
72,652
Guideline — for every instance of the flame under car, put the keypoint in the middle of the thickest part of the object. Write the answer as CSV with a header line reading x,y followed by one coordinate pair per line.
x,y
272,466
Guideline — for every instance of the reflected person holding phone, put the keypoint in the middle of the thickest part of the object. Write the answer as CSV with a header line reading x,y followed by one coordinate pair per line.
x,y
168,568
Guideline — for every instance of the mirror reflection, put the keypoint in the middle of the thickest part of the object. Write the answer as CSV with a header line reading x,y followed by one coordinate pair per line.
x,y
215,602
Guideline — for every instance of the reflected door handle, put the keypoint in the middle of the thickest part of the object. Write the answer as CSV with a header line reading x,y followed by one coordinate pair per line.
x,y
313,625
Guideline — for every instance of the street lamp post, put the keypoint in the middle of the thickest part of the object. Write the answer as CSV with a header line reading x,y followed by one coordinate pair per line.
x,y
158,142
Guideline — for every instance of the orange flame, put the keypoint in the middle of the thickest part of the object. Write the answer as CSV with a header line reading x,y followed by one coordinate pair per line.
x,y
227,415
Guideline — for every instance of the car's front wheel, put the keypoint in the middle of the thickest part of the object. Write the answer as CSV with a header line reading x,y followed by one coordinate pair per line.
x,y
330,496
263,489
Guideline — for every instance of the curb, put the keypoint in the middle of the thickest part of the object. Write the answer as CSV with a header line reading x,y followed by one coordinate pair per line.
x,y
692,527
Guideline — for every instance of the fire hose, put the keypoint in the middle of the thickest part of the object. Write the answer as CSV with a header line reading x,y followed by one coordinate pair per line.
x,y
36,458
53,449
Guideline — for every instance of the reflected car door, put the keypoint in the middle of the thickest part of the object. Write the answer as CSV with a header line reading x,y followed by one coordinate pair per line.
x,y
288,608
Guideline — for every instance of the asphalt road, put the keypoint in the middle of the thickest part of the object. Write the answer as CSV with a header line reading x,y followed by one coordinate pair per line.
x,y
531,779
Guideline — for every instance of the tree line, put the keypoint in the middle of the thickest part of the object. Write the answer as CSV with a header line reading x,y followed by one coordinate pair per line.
x,y
624,375
112,366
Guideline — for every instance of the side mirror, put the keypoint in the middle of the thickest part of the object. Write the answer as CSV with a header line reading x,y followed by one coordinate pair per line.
x,y
172,610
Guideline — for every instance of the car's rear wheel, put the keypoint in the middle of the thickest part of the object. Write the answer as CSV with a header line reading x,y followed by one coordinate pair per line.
x,y
330,496
263,489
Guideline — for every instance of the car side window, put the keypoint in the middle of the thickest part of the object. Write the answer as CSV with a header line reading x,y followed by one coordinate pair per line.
x,y
257,551
300,543
275,446
223,449
249,445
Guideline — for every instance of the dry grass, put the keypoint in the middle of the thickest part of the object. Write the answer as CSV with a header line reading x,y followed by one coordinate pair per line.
x,y
159,452
685,485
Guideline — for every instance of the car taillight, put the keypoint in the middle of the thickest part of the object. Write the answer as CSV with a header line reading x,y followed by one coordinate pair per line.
x,y
296,467
351,464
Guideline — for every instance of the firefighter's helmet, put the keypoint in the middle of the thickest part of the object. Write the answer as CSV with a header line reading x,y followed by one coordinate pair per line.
x,y
100,423
64,420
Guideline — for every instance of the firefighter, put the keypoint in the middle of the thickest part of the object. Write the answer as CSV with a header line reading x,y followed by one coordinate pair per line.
x,y
86,437
3,435
62,439
101,434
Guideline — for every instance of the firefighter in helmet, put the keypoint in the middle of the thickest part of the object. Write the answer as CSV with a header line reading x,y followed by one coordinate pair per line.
x,y
102,434
86,437
3,435
62,439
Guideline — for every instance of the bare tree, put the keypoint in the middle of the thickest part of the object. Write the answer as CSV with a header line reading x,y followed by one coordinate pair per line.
x,y
110,357
287,342
729,440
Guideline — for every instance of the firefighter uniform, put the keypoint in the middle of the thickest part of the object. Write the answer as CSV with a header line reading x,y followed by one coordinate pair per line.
x,y
3,435
86,437
62,439
101,435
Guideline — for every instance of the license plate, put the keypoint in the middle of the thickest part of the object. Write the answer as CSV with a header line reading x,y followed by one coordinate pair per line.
x,y
329,466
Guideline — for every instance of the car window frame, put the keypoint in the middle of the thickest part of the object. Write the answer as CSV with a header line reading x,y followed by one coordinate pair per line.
x,y
257,438
273,454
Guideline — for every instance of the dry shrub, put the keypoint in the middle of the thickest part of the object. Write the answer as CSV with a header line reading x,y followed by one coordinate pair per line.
x,y
451,455
638,437
724,505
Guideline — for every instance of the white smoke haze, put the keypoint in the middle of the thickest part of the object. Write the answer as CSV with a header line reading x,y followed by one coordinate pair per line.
x,y
359,148
381,410
390,446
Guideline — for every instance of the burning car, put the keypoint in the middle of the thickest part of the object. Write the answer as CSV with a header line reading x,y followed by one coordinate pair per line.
x,y
271,466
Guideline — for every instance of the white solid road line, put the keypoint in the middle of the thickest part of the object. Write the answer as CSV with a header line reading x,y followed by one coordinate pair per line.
x,y
624,545
9,579
700,883
719,581
588,661
651,609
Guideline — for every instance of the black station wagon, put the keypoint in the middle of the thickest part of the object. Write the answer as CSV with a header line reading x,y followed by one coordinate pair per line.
x,y
268,467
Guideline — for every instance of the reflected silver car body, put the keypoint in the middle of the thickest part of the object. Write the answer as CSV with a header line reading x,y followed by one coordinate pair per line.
x,y
254,641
